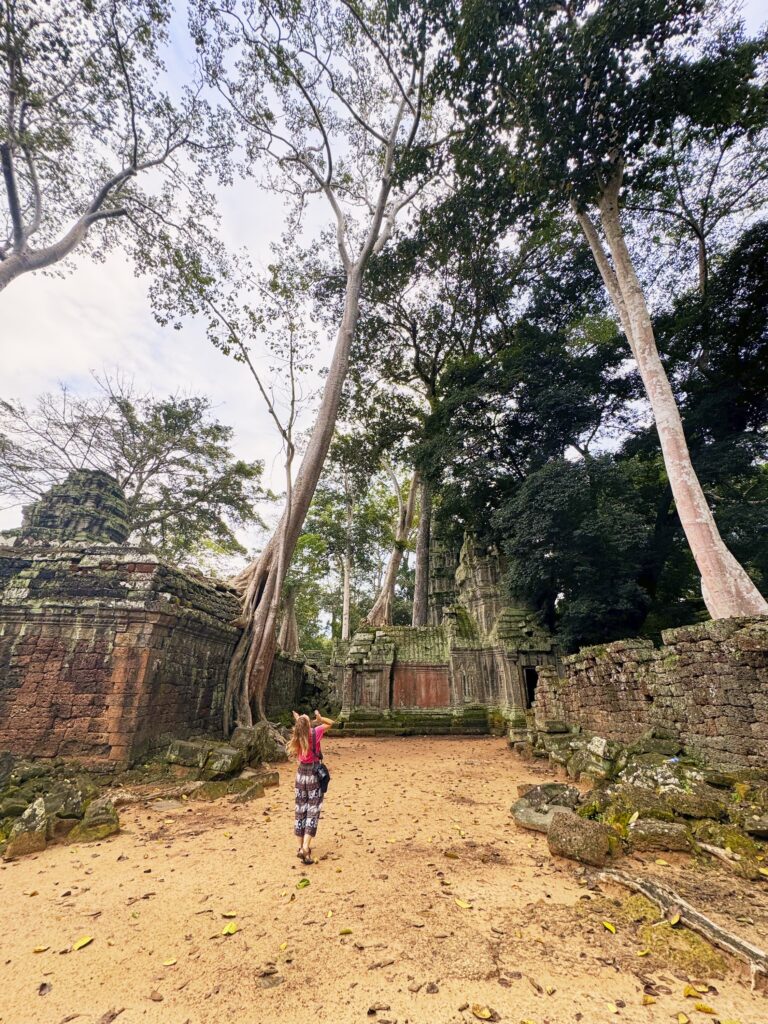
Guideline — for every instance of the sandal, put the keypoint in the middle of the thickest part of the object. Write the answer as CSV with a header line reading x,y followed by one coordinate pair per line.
x,y
307,857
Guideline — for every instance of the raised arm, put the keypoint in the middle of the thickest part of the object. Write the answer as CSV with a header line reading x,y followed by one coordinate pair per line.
x,y
319,720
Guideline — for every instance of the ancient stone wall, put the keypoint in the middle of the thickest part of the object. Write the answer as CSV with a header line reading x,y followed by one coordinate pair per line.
x,y
286,685
707,686
105,652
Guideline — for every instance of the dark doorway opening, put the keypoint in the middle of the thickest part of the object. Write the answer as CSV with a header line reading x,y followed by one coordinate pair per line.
x,y
530,680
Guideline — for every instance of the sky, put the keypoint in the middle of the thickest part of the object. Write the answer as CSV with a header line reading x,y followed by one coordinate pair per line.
x,y
98,317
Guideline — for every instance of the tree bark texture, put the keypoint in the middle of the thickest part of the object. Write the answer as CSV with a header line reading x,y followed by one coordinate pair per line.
x,y
726,588
288,640
423,537
259,582
347,582
381,613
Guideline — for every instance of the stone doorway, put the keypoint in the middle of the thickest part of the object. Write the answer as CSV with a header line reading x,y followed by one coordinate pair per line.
x,y
530,682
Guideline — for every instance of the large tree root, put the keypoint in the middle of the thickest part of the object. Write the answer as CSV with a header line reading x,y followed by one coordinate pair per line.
x,y
668,901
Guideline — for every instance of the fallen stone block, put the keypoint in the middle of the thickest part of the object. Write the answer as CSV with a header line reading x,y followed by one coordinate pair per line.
x,y
100,821
30,832
651,834
222,763
589,842
529,817
254,792
188,753
757,825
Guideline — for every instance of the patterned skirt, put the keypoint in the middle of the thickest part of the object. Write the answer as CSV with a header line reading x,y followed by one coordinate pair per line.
x,y
309,801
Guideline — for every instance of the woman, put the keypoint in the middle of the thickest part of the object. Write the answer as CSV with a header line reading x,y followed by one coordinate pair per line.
x,y
304,745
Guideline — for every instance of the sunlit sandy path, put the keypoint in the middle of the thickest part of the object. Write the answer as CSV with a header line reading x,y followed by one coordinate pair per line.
x,y
410,827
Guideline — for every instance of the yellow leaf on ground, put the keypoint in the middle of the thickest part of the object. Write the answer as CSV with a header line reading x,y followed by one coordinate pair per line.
x,y
609,927
612,1007
329,914
683,1018
703,1008
463,904
675,919
643,952
230,929
345,931
690,992
763,871
229,913
86,940
169,963
283,945
648,1000
662,862
481,1012
40,949
634,817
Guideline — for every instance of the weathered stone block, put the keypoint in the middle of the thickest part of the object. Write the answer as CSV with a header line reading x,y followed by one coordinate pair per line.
x,y
100,821
188,753
589,842
29,834
650,834
223,763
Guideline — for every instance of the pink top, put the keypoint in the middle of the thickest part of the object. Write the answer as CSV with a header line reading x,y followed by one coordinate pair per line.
x,y
309,757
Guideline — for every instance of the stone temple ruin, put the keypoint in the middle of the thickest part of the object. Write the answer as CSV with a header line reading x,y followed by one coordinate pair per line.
x,y
475,667
107,652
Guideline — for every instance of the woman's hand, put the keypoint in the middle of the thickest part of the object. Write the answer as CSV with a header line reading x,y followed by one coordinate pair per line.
x,y
318,716
296,715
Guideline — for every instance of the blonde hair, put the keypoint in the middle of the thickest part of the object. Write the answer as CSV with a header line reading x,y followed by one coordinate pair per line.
x,y
298,744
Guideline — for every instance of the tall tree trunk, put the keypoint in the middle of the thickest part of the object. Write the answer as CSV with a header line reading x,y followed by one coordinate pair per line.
x,y
381,613
259,584
347,577
288,640
421,587
726,588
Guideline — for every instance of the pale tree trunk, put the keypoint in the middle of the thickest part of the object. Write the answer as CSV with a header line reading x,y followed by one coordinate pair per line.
x,y
261,583
381,613
423,536
726,588
347,574
288,640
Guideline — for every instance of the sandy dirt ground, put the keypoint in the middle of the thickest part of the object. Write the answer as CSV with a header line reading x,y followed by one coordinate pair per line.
x,y
426,901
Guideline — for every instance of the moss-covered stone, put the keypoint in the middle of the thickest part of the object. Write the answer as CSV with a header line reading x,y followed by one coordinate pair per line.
x,y
29,834
589,842
100,821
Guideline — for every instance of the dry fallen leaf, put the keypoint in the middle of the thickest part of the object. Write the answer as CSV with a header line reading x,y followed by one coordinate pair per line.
x,y
482,1012
662,862
169,963
683,1018
675,919
229,913
648,1000
230,929
86,940
643,952
763,871
345,931
463,904
283,946
703,1008
40,949
609,927
634,817
612,1007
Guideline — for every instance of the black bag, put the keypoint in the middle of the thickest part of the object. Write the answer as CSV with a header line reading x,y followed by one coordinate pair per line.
x,y
322,774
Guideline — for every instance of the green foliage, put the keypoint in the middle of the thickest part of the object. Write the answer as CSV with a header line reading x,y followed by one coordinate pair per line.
x,y
575,535
186,491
